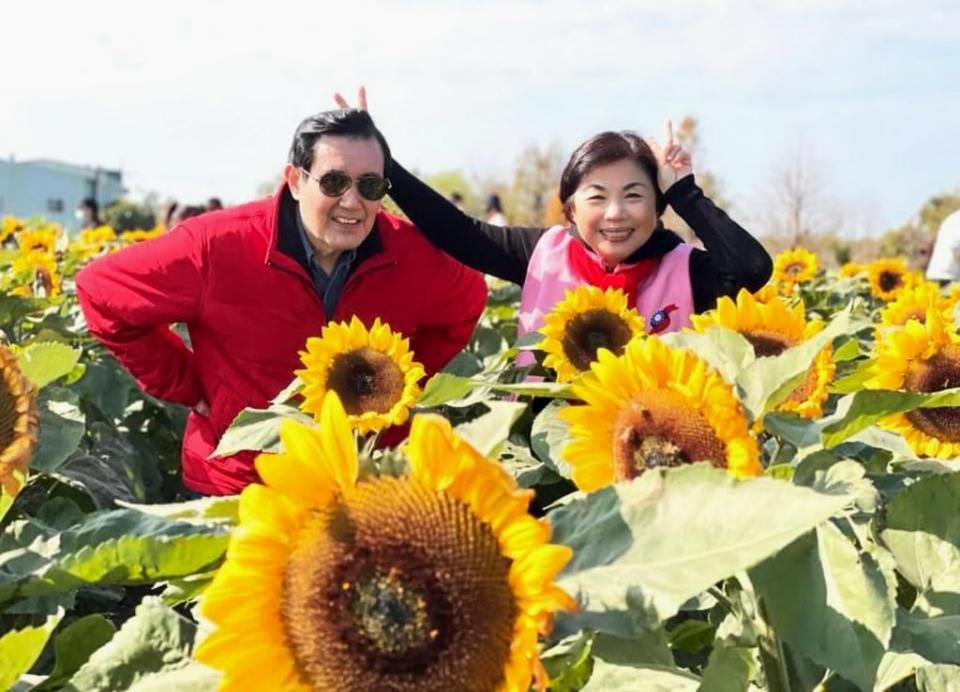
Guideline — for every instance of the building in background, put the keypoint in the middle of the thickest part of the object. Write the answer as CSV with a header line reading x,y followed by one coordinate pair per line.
x,y
53,189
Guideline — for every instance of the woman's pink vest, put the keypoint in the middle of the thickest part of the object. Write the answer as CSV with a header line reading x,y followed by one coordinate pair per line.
x,y
664,297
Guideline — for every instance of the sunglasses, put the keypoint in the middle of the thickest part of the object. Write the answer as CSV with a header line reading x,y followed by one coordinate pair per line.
x,y
371,187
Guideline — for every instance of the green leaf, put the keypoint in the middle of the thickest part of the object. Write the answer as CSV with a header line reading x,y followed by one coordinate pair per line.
x,y
938,678
443,388
194,677
936,639
869,406
19,649
62,425
922,531
849,350
490,430
856,379
569,663
288,393
769,380
120,547
725,349
830,603
154,640
729,669
551,390
74,645
692,636
650,544
44,362
895,667
549,434
217,508
257,429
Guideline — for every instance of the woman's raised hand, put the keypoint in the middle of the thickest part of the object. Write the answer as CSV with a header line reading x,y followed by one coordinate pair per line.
x,y
674,161
361,99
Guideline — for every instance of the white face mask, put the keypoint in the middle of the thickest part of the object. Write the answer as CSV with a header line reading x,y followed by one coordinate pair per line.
x,y
78,214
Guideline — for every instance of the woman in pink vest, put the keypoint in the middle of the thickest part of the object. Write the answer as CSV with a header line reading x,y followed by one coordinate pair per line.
x,y
614,189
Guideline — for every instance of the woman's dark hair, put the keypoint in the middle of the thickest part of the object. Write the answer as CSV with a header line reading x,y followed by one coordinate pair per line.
x,y
344,122
604,148
493,203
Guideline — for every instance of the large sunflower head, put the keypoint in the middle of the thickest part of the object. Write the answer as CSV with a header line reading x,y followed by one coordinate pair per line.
x,y
18,422
922,357
795,266
652,407
771,328
585,321
372,371
40,239
912,303
888,277
38,272
438,579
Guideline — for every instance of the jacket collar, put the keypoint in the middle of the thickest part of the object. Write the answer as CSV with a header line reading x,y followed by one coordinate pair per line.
x,y
285,247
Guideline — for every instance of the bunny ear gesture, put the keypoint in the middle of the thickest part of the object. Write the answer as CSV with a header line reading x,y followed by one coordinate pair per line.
x,y
361,99
674,161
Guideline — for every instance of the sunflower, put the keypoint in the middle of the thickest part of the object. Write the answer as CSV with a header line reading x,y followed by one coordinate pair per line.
x,y
795,266
18,422
92,242
888,277
41,239
39,271
585,321
922,357
10,226
140,235
654,406
771,328
773,290
851,269
912,304
438,579
372,371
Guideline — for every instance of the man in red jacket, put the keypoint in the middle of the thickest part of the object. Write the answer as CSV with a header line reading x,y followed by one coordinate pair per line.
x,y
253,282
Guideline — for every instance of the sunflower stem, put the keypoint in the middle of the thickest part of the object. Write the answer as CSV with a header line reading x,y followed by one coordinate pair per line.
x,y
722,599
773,658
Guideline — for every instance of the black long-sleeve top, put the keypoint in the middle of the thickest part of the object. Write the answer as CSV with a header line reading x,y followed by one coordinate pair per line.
x,y
732,258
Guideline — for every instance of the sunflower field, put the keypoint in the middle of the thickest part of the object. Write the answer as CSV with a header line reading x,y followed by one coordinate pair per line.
x,y
769,500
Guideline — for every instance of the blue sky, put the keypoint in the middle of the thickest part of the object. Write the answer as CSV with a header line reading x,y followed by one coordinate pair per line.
x,y
193,99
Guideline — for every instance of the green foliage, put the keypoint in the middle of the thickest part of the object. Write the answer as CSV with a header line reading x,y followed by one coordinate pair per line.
x,y
124,215
20,648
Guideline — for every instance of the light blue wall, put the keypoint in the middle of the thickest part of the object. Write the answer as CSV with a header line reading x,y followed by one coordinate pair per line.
x,y
53,190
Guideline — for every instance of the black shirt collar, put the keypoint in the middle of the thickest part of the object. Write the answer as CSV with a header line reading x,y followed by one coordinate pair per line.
x,y
290,244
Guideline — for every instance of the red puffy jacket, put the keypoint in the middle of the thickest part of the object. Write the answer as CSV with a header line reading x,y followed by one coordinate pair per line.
x,y
249,308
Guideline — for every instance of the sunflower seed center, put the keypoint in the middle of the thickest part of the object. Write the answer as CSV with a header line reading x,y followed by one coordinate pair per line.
x,y
366,380
590,331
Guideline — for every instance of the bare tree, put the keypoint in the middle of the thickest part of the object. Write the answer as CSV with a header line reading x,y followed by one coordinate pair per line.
x,y
535,180
798,202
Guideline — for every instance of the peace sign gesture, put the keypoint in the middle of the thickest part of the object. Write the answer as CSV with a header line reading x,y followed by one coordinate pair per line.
x,y
674,161
361,99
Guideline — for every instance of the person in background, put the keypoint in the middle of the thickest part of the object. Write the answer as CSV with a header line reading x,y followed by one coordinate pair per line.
x,y
88,213
457,200
495,215
944,265
214,204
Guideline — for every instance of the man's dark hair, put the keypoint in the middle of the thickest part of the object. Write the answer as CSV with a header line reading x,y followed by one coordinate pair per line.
x,y
604,148
345,122
91,204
